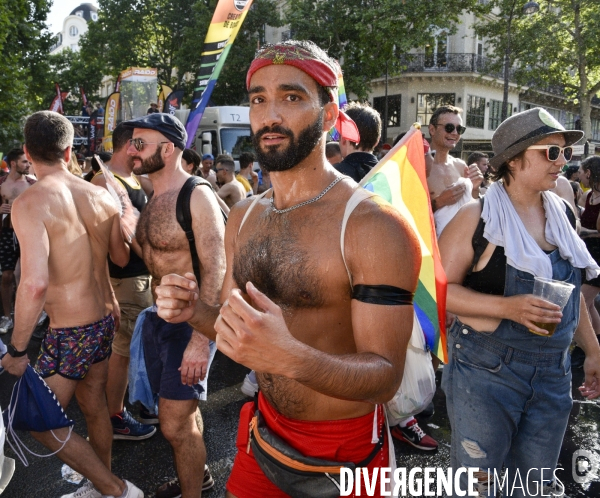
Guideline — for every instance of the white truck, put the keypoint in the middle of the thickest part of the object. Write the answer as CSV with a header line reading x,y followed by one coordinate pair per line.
x,y
222,130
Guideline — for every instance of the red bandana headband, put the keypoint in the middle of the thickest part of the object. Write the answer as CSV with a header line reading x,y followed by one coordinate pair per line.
x,y
323,73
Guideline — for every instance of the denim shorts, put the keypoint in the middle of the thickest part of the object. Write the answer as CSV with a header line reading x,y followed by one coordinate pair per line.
x,y
164,345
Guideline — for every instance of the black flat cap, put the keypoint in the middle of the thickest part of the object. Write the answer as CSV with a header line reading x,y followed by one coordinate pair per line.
x,y
163,123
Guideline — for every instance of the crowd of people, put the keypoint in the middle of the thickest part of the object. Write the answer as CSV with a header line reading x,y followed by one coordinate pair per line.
x,y
246,262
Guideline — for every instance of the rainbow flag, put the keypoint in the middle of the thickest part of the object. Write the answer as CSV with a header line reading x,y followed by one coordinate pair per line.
x,y
334,134
226,22
400,179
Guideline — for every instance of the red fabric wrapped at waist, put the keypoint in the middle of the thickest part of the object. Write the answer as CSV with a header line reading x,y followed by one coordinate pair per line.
x,y
346,440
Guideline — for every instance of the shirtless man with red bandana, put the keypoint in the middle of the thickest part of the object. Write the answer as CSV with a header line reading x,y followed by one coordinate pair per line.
x,y
307,302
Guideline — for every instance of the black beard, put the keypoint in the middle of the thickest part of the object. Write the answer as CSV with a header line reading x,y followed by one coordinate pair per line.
x,y
274,159
151,165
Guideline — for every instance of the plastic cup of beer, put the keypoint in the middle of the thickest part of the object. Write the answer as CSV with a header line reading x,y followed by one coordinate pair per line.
x,y
554,291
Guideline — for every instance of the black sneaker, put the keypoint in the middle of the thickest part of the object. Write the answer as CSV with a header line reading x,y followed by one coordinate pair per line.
x,y
172,489
147,417
125,427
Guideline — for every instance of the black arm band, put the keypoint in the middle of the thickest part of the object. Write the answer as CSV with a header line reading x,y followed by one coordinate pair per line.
x,y
382,294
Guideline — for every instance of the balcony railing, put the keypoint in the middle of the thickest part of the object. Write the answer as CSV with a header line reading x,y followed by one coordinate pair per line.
x,y
450,63
462,63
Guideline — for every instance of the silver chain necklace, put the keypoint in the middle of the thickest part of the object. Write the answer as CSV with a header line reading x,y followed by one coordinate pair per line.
x,y
310,201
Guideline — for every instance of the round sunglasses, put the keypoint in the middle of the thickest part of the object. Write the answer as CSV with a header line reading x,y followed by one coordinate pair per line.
x,y
449,127
553,152
139,144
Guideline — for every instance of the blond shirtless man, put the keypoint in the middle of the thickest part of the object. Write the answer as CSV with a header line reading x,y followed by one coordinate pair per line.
x,y
231,191
11,186
445,187
67,227
327,347
177,357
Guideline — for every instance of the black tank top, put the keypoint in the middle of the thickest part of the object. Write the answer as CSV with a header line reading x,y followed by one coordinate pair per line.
x,y
590,214
492,277
136,266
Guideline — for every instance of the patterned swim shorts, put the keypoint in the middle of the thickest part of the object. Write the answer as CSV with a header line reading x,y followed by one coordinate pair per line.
x,y
71,352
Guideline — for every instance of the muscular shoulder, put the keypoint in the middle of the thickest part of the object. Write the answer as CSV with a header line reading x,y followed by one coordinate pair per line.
x,y
238,210
381,245
203,201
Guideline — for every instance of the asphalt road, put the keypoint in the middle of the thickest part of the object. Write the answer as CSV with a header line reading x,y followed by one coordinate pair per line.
x,y
149,463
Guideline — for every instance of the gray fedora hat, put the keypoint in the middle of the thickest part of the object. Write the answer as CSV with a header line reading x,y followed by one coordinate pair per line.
x,y
524,129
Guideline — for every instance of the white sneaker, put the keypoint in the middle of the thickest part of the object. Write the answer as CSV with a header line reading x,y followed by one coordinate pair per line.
x,y
6,324
86,491
130,492
250,386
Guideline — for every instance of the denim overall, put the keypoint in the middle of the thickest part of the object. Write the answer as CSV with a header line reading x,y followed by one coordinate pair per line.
x,y
508,392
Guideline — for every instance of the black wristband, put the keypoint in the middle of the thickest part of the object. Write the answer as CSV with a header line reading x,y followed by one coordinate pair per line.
x,y
11,350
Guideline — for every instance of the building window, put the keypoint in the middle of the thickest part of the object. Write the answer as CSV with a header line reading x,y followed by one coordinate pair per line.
x,y
79,13
475,111
73,31
436,51
427,103
496,113
287,35
394,108
569,121
596,130
94,16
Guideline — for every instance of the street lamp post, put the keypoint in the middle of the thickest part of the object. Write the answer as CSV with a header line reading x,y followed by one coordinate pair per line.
x,y
528,9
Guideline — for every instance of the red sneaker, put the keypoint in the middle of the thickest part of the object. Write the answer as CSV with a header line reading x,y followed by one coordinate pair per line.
x,y
414,435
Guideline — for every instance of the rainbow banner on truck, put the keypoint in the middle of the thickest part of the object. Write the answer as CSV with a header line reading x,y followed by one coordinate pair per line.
x,y
226,22
401,180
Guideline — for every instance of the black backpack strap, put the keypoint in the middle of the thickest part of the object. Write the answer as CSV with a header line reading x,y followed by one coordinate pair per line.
x,y
184,217
479,242
570,214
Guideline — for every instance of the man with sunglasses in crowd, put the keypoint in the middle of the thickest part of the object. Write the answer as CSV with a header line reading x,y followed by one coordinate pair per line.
x,y
451,182
177,357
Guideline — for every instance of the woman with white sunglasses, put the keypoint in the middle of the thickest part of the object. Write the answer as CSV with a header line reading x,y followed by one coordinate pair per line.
x,y
508,381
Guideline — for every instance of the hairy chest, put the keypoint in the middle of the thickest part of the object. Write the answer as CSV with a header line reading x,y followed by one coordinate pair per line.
x,y
296,263
158,227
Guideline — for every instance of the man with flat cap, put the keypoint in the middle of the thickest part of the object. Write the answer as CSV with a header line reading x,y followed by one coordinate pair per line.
x,y
307,302
177,357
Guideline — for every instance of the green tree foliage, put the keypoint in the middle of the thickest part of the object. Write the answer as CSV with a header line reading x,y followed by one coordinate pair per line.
x,y
558,46
366,35
23,65
72,72
169,35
